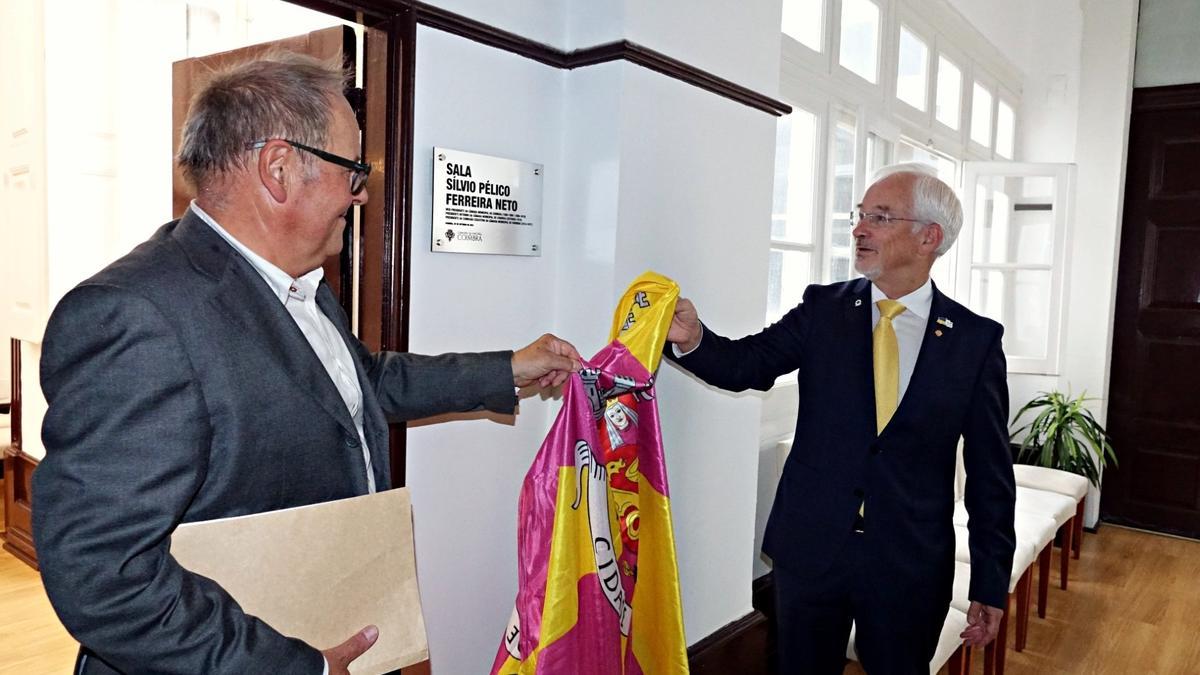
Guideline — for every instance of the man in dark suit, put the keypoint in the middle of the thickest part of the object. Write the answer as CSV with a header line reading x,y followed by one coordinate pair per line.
x,y
210,373
891,373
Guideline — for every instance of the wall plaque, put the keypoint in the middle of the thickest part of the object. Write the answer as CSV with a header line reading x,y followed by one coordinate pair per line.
x,y
484,204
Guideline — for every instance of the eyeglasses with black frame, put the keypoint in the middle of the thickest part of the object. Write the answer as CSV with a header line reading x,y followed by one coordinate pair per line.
x,y
881,218
358,170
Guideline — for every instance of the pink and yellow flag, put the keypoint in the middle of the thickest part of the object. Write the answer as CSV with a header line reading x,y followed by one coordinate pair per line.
x,y
598,588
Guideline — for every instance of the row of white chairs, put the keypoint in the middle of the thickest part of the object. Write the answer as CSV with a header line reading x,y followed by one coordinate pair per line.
x,y
1049,501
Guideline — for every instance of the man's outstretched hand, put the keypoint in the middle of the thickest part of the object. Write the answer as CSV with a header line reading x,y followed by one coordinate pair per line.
x,y
338,658
548,360
685,330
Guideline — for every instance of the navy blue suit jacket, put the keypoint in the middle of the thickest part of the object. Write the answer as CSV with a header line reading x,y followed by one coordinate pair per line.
x,y
906,474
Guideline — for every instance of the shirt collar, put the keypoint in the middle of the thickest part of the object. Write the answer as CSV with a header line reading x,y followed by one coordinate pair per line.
x,y
917,303
281,283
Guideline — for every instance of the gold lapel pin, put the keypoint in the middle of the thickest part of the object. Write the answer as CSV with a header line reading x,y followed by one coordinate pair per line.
x,y
938,332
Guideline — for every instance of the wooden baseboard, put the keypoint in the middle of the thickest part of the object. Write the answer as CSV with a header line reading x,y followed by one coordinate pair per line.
x,y
740,647
18,512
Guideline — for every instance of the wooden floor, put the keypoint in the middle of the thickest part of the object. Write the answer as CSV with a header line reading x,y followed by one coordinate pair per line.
x,y
1132,607
32,641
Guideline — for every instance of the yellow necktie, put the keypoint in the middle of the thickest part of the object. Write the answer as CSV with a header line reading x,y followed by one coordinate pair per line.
x,y
887,363
886,353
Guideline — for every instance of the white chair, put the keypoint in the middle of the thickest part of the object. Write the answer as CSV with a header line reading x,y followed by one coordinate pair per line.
x,y
950,649
1035,535
1062,482
1061,509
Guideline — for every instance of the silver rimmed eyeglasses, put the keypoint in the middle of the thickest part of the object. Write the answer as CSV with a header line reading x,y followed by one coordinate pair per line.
x,y
880,218
358,170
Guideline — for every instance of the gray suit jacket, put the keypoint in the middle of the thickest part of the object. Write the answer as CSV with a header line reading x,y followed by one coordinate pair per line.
x,y
179,390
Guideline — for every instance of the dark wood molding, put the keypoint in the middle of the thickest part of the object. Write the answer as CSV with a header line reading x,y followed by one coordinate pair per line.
x,y
738,647
456,24
396,308
477,31
18,513
661,63
15,401
1175,96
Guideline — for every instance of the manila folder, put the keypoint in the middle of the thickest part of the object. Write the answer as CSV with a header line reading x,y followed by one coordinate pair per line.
x,y
321,573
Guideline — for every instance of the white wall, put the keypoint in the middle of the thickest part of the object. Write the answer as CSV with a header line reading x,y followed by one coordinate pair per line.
x,y
643,172
465,475
696,186
1167,34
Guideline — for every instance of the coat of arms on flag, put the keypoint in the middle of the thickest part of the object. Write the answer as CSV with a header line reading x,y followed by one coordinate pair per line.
x,y
598,587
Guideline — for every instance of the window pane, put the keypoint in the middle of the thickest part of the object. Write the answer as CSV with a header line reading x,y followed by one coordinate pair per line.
x,y
1014,222
840,240
879,152
1005,127
860,38
949,92
804,21
1018,299
947,168
795,177
981,116
790,272
912,73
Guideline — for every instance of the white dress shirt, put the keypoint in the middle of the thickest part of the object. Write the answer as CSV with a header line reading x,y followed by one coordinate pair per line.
x,y
299,297
909,327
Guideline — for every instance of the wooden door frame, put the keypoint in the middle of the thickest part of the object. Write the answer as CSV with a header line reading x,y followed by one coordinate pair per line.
x,y
386,244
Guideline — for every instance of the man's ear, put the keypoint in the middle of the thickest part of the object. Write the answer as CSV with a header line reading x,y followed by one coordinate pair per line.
x,y
274,170
931,237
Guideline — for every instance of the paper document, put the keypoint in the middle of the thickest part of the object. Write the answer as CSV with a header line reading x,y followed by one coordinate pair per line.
x,y
321,573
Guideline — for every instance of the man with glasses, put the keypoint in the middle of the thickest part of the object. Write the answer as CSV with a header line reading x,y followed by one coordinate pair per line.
x,y
210,373
890,374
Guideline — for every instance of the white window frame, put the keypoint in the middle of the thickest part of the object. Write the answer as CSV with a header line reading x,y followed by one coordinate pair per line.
x,y
848,78
1064,175
1006,97
908,19
982,151
949,135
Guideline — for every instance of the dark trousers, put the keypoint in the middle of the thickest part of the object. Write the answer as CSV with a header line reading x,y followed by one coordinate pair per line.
x,y
896,627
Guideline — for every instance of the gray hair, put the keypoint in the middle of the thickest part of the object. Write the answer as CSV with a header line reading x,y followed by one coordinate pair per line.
x,y
280,94
932,200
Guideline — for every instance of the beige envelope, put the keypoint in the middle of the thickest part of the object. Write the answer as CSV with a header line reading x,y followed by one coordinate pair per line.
x,y
321,573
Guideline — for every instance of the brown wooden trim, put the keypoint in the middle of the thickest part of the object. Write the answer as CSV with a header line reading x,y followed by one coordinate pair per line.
x,y
18,513
738,647
15,407
661,63
1170,97
477,31
456,24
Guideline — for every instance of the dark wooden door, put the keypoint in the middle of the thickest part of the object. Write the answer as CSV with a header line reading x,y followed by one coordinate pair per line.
x,y
187,76
1154,403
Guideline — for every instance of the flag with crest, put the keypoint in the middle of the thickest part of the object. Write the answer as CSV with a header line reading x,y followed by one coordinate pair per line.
x,y
598,587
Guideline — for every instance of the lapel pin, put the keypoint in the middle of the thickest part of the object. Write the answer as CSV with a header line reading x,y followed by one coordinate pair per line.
x,y
938,332
945,322
858,303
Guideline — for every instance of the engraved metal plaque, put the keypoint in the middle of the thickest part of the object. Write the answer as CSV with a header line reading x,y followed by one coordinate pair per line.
x,y
484,204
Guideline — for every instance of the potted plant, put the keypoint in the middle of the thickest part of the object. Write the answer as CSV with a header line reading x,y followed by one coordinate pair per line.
x,y
1064,435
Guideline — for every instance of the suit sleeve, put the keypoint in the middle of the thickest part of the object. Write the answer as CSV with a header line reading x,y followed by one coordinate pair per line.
x,y
127,439
412,386
752,362
990,488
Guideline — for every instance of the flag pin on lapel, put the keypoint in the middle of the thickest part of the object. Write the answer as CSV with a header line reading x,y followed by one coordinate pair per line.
x,y
943,321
